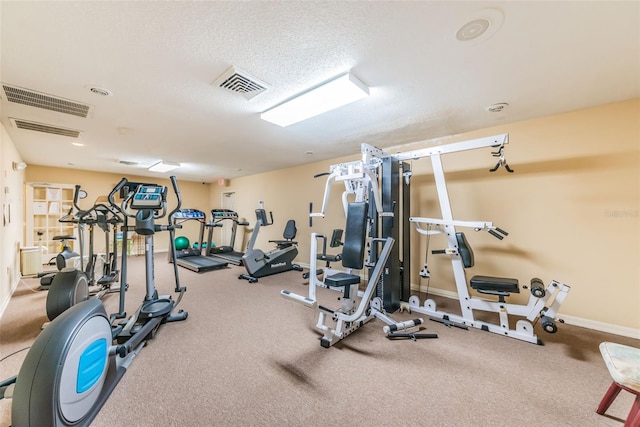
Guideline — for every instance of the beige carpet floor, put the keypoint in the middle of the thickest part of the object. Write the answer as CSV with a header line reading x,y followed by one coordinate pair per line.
x,y
248,357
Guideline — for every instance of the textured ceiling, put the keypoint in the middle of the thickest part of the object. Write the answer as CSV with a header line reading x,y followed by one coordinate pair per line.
x,y
159,60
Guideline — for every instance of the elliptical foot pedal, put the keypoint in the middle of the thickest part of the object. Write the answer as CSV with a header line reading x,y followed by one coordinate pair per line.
x,y
156,308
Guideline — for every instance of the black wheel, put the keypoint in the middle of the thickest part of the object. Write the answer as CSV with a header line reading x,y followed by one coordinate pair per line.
x,y
68,288
538,291
549,325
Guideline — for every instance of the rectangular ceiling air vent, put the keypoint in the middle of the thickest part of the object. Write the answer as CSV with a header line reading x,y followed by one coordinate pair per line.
x,y
127,162
41,127
240,82
41,100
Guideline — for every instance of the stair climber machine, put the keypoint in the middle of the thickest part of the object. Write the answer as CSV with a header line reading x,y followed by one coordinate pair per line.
x,y
193,258
76,362
278,260
226,253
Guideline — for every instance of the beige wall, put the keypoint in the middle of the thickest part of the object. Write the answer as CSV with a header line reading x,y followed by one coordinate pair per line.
x,y
572,209
11,223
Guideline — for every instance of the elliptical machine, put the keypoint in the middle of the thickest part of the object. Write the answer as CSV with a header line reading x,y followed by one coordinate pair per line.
x,y
77,361
278,260
71,285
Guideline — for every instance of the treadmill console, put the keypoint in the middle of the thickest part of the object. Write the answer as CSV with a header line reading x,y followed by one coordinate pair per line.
x,y
189,214
149,197
219,214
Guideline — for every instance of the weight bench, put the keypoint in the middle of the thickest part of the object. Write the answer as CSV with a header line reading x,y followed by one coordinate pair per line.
x,y
489,285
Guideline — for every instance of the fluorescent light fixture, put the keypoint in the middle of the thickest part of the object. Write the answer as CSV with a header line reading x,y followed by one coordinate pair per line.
x,y
337,92
163,166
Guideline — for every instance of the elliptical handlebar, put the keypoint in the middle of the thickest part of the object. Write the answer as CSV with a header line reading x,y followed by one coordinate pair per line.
x,y
176,190
117,188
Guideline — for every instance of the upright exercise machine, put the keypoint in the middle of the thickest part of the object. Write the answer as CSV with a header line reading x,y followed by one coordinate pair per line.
x,y
226,253
357,307
194,259
259,263
77,361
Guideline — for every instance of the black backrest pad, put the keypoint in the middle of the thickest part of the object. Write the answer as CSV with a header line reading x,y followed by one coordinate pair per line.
x,y
290,230
465,251
355,235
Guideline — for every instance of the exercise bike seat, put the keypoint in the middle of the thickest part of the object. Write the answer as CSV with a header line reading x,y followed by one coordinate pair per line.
x,y
65,237
289,234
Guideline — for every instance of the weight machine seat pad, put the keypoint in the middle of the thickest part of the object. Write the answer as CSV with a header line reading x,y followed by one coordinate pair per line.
x,y
65,237
342,279
497,284
283,243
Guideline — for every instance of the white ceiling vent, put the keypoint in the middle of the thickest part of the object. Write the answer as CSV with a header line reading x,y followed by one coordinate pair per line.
x,y
40,100
41,127
241,82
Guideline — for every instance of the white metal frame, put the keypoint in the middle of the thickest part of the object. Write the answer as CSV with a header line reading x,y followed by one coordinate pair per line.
x,y
355,311
537,307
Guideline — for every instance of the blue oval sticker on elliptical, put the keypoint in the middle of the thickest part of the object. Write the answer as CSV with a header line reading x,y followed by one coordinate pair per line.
x,y
91,365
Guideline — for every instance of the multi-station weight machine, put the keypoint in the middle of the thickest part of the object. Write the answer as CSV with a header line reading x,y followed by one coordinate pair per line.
x,y
383,180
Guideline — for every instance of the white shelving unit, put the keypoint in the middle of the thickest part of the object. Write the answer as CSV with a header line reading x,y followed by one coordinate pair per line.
x,y
46,204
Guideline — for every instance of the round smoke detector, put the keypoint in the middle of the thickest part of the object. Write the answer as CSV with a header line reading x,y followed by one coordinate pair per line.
x,y
480,25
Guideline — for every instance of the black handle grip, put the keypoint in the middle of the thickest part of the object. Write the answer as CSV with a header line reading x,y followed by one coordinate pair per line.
x,y
439,251
496,235
117,188
76,193
500,230
176,190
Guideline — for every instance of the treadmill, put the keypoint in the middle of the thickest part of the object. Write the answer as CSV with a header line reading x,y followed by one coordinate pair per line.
x,y
225,253
192,258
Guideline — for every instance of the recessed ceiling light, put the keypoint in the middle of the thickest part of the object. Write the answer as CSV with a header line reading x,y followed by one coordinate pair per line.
x,y
164,166
100,91
339,91
496,108
78,144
